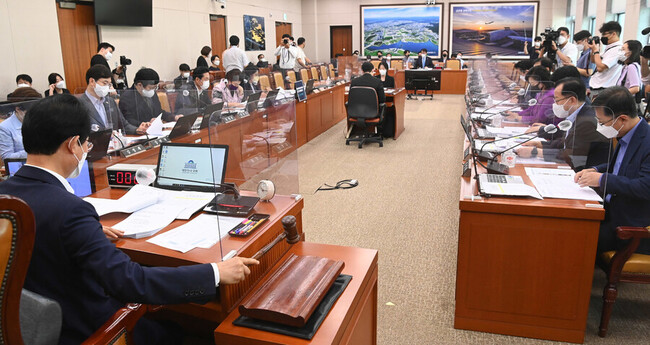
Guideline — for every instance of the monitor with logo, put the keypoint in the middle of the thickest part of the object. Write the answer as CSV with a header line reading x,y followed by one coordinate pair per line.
x,y
300,91
198,167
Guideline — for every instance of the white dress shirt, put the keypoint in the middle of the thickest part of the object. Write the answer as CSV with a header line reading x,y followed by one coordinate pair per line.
x,y
571,51
287,56
610,58
234,58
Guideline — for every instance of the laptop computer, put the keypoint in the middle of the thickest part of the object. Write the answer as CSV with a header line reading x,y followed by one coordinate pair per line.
x,y
253,102
83,185
198,167
213,110
505,185
183,126
310,86
100,141
270,98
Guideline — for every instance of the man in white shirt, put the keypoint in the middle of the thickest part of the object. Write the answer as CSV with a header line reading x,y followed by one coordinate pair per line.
x,y
234,58
301,61
607,67
566,51
288,54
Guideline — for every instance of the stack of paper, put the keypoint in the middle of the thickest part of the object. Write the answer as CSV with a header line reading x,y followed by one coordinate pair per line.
x,y
204,231
558,183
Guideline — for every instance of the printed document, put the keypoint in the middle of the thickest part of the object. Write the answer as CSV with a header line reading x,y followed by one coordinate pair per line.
x,y
558,183
204,231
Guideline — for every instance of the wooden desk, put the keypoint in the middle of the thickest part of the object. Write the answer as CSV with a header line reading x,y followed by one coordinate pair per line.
x,y
319,112
395,103
229,295
525,266
452,82
353,318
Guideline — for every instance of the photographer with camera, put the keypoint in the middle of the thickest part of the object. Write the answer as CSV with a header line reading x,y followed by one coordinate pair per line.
x,y
608,68
104,54
566,53
584,64
288,54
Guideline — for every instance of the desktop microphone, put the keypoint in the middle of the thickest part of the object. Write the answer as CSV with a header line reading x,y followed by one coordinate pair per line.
x,y
646,31
232,187
495,167
565,125
530,103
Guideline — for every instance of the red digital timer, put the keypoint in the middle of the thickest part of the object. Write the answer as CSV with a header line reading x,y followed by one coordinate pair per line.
x,y
123,175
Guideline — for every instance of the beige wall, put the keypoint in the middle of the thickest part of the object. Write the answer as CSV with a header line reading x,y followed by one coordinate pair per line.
x,y
182,27
29,38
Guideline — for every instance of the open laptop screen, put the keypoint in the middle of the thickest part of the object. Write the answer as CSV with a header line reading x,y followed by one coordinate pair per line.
x,y
83,185
191,166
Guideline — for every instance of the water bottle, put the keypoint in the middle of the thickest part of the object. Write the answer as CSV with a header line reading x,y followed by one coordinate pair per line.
x,y
348,74
509,158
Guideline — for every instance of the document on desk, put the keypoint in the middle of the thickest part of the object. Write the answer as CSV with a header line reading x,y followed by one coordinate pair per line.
x,y
156,127
506,131
204,231
558,183
149,220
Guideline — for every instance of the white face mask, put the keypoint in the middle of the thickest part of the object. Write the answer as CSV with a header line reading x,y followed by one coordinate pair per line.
x,y
608,132
60,85
101,90
561,40
23,85
148,93
559,111
186,75
263,59
580,47
538,44
382,71
205,85
388,58
522,77
622,58
216,62
108,56
80,162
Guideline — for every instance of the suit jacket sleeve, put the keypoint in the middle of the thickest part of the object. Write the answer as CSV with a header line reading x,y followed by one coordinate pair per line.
x,y
129,128
123,279
128,108
638,188
200,62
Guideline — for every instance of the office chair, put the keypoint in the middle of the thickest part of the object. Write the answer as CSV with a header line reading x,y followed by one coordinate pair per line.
x,y
164,101
323,72
452,64
314,73
278,79
304,74
332,72
292,78
265,84
363,110
623,265
39,317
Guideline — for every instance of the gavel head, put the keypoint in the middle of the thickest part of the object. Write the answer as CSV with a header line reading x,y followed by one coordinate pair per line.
x,y
289,224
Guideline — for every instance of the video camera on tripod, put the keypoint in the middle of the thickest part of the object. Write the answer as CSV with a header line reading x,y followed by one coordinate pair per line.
x,y
549,35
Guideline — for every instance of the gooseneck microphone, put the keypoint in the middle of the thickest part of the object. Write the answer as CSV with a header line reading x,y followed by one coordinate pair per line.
x,y
233,188
494,167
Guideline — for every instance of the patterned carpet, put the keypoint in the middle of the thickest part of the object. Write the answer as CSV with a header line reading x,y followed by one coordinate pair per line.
x,y
406,206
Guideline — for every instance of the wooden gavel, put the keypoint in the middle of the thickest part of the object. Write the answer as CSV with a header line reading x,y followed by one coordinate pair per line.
x,y
290,233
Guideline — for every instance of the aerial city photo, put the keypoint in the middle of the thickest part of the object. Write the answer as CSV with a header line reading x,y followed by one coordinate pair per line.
x,y
393,29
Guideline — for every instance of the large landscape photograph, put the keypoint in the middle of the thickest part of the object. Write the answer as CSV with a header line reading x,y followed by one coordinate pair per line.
x,y
496,28
393,29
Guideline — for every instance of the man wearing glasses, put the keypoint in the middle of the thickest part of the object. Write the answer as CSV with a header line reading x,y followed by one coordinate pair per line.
x,y
607,67
140,103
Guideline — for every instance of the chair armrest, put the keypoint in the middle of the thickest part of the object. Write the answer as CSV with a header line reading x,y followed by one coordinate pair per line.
x,y
628,232
40,319
122,321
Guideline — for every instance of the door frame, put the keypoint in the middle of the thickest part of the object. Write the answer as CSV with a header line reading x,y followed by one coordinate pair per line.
x,y
332,41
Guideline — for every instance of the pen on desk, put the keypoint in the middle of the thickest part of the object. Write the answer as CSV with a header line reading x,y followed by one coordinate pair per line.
x,y
226,205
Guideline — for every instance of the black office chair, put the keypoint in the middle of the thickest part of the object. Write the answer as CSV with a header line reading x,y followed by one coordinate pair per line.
x,y
365,111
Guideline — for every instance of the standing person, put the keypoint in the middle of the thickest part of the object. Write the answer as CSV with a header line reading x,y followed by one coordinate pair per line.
x,y
104,54
566,52
184,76
214,63
584,64
631,74
386,80
57,85
534,52
287,53
193,96
624,180
73,262
233,57
301,59
140,103
407,60
22,80
607,67
301,47
102,110
11,137
202,60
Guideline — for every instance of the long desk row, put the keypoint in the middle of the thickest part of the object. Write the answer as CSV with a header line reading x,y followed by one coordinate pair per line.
x,y
525,266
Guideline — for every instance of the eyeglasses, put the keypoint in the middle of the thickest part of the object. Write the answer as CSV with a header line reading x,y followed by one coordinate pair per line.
x,y
560,100
606,122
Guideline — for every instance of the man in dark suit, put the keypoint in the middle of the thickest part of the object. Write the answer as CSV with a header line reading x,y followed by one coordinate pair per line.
x,y
140,102
193,96
104,54
368,80
581,146
625,181
73,262
423,61
102,111
184,77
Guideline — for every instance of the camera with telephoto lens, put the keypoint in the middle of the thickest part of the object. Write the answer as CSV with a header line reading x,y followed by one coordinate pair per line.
x,y
594,40
549,36
124,61
285,41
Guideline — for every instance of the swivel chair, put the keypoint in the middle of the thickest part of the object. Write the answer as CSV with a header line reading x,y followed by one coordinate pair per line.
x,y
363,110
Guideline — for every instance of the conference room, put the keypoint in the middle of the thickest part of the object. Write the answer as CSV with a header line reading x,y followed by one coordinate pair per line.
x,y
294,172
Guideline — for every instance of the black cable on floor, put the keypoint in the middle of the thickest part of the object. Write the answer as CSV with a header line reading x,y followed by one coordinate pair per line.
x,y
343,184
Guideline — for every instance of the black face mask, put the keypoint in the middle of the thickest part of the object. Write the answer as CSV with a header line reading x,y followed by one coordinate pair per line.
x,y
444,55
604,40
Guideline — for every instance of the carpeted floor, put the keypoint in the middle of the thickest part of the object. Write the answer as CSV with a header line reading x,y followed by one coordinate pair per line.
x,y
406,206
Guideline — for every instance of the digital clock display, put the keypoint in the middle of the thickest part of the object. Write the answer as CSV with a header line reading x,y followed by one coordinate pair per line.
x,y
121,178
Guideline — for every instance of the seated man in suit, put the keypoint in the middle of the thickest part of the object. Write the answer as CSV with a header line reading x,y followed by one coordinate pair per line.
x,y
140,102
423,61
194,96
184,76
73,262
581,146
11,137
102,110
625,181
368,80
